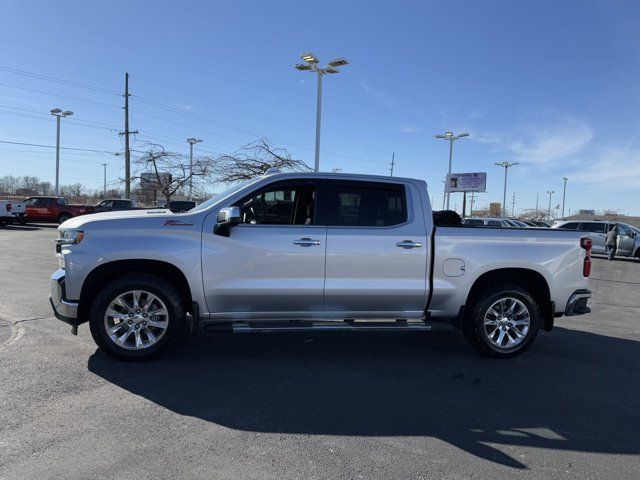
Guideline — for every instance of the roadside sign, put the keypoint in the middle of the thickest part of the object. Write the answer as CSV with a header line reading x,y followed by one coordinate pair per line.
x,y
468,182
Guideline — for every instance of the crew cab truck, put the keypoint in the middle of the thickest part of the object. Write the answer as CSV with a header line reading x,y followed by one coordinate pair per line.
x,y
53,209
312,251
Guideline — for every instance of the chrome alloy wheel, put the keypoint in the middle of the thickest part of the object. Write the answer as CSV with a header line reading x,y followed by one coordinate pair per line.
x,y
136,320
506,323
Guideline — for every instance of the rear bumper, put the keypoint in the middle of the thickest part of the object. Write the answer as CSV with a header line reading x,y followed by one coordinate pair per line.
x,y
63,309
577,304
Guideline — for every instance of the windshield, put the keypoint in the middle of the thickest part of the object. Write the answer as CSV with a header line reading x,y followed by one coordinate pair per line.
x,y
219,196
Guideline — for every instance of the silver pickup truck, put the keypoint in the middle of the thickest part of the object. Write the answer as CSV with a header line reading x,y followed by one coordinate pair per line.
x,y
312,251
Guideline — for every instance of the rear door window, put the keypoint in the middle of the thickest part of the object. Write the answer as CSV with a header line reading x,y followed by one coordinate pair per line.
x,y
367,204
593,227
494,223
570,226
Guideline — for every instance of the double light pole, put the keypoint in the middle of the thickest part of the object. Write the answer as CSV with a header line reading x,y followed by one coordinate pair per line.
x,y
312,65
58,113
506,166
451,137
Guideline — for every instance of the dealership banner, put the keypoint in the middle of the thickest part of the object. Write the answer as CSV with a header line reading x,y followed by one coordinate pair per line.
x,y
468,182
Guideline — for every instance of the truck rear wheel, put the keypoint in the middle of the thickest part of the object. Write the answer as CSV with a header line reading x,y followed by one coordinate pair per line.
x,y
502,321
137,317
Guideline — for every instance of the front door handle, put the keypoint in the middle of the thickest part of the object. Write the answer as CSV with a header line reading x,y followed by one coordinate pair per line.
x,y
306,242
408,244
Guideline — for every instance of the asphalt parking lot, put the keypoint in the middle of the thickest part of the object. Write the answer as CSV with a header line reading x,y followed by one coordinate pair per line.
x,y
316,405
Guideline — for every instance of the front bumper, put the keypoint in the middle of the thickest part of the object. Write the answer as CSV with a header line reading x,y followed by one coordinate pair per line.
x,y
577,304
63,309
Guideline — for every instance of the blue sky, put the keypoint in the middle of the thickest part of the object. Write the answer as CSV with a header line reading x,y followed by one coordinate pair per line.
x,y
554,85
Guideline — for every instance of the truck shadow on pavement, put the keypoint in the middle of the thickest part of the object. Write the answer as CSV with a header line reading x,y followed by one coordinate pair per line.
x,y
573,390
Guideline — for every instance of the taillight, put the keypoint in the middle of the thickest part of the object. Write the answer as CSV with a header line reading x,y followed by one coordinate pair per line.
x,y
586,243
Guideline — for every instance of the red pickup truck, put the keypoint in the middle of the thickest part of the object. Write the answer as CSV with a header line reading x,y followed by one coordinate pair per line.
x,y
53,209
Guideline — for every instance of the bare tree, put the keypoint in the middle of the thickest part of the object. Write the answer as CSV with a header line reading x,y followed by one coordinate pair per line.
x,y
254,160
169,172
73,190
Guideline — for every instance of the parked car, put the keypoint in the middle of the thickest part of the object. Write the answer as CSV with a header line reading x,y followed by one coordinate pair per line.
x,y
53,209
114,204
311,251
628,244
11,211
179,206
487,222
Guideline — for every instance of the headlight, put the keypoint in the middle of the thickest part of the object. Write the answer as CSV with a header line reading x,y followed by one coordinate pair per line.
x,y
70,237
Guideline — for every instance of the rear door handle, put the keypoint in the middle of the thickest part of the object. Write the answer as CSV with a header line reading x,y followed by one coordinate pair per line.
x,y
408,244
306,242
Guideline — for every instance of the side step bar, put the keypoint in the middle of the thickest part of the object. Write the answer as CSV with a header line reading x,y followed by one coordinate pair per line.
x,y
264,327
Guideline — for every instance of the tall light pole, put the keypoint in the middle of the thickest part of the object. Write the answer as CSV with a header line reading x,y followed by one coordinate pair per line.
x,y
104,178
451,138
58,113
550,194
564,194
191,141
312,65
506,166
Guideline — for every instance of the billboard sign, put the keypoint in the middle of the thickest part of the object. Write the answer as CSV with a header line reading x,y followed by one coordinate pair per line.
x,y
151,181
468,182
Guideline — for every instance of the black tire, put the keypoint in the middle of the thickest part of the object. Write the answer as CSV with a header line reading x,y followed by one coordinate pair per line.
x,y
21,221
63,217
159,287
4,222
473,324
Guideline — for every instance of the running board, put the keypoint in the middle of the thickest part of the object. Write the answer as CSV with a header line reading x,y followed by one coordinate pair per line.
x,y
264,327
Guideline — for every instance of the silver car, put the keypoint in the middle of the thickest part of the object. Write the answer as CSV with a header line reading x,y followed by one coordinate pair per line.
x,y
628,235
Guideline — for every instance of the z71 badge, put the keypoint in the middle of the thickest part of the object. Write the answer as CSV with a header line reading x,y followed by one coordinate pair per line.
x,y
176,223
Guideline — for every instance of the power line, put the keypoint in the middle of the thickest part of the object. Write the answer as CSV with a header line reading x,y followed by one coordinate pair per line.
x,y
59,54
62,148
61,96
62,81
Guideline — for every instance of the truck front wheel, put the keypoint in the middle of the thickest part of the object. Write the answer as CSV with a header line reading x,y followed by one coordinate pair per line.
x,y
63,217
502,321
137,316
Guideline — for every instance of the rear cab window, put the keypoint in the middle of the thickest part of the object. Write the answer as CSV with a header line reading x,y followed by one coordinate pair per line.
x,y
366,204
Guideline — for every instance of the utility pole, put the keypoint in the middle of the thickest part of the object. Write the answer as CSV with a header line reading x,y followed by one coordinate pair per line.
x,y
513,205
191,141
537,194
127,150
393,162
444,198
564,194
104,192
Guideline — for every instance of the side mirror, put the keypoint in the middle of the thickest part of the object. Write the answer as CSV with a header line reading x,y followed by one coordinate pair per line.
x,y
227,217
